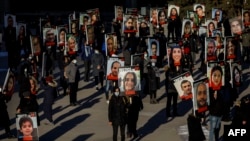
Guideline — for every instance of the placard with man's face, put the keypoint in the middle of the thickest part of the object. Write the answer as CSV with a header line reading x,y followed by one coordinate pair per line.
x,y
129,80
210,49
183,84
216,14
113,65
199,9
26,125
10,19
153,47
49,37
130,23
236,26
201,95
84,20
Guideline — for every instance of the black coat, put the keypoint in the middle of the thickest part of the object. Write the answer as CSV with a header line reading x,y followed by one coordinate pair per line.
x,y
216,107
28,105
4,118
134,108
117,111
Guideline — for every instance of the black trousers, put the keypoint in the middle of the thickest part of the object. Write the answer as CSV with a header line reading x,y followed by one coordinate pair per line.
x,y
171,96
132,122
73,90
99,79
87,64
115,131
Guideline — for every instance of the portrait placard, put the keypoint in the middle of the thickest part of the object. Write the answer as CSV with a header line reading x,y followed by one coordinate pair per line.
x,y
26,125
183,84
113,65
129,80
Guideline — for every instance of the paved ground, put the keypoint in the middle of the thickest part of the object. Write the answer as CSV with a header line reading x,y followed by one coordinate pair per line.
x,y
89,121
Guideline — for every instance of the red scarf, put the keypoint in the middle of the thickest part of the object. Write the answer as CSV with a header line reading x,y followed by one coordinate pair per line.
x,y
173,17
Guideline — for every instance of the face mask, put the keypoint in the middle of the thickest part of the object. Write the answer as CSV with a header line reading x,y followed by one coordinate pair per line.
x,y
153,64
145,55
74,61
96,51
30,57
116,93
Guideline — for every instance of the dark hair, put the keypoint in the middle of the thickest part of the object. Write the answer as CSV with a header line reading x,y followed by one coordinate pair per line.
x,y
134,75
25,119
154,43
175,10
114,63
235,68
184,81
216,68
62,29
199,6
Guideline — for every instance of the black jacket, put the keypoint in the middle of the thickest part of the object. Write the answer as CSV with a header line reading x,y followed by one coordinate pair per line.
x,y
216,106
117,110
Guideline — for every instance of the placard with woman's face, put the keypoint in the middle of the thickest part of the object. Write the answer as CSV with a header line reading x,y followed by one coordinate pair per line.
x,y
154,16
173,10
9,84
236,73
118,13
201,95
35,45
216,74
111,43
20,30
71,44
74,27
26,125
183,84
187,26
211,26
129,80
94,15
90,34
61,35
176,55
231,48
143,26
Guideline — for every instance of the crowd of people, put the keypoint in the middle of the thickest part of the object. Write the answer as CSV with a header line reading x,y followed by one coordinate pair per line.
x,y
148,44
